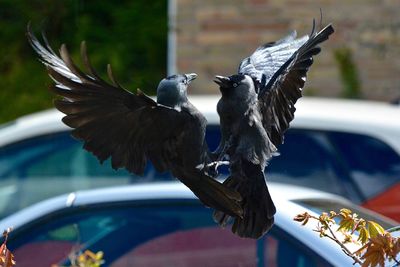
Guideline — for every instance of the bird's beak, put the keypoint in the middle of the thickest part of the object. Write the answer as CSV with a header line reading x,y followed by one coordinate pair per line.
x,y
222,81
190,77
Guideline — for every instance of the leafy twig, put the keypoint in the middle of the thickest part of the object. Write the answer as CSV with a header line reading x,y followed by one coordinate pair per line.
x,y
344,248
6,257
377,244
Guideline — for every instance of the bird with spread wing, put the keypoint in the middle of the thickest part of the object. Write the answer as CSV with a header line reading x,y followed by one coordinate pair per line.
x,y
255,110
132,128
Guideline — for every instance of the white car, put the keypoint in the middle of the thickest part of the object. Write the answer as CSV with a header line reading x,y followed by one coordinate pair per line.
x,y
346,147
164,224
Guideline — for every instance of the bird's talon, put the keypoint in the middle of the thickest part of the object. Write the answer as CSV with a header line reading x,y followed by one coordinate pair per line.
x,y
212,168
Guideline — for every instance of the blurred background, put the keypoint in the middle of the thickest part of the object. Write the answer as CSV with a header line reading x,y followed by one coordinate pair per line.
x,y
130,35
361,60
145,40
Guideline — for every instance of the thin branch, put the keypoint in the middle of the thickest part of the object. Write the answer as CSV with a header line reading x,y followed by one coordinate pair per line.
x,y
344,248
355,227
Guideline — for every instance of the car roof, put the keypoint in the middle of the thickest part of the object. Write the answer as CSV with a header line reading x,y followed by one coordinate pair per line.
x,y
146,191
369,117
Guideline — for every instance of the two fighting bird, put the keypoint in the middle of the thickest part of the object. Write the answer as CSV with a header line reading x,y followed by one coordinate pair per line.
x,y
255,110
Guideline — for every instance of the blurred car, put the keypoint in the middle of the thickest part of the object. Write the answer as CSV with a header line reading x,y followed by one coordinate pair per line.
x,y
350,148
395,231
164,224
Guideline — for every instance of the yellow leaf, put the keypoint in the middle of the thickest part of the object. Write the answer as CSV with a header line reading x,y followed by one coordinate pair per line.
x,y
346,224
81,258
364,235
345,212
375,229
99,255
90,254
348,238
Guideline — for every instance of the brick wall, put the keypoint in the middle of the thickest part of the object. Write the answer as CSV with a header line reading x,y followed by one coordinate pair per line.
x,y
213,37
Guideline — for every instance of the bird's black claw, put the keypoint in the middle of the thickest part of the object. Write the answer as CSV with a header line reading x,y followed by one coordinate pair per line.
x,y
213,172
212,168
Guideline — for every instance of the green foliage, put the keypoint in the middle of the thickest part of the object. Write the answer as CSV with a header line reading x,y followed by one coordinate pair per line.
x,y
310,91
130,35
348,73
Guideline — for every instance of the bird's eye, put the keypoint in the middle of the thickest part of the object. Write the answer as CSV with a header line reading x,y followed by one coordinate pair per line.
x,y
235,84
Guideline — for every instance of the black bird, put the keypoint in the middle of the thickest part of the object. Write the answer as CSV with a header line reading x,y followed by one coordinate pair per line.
x,y
255,110
132,129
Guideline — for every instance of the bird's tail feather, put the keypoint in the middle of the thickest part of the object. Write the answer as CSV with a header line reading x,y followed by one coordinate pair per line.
x,y
212,193
258,207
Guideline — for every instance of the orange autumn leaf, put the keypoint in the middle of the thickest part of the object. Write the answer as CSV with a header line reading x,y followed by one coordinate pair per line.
x,y
378,248
374,256
6,257
303,218
378,245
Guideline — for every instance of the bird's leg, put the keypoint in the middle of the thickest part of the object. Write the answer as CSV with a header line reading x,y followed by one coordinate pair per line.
x,y
212,168
217,163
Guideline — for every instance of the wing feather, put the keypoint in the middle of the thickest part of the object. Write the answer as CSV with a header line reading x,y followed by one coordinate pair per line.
x,y
111,121
268,58
280,94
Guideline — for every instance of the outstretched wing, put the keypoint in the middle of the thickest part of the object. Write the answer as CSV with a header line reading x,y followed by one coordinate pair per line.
x,y
268,58
284,88
111,121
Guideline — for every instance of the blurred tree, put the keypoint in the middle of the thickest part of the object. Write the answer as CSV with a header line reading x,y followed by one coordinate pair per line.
x,y
348,73
131,35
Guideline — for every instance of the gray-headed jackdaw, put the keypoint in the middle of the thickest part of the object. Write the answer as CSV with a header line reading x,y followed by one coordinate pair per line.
x,y
255,110
132,129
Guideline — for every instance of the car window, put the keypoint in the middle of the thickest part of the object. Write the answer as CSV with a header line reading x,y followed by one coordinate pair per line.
x,y
374,165
168,233
45,166
306,159
37,168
